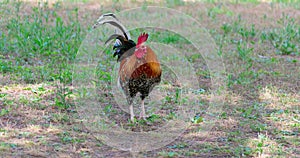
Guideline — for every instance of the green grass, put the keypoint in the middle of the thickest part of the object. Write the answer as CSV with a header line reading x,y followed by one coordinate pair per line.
x,y
261,113
40,41
285,39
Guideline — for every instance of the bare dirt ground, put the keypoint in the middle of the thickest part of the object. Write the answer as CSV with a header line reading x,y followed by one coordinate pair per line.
x,y
260,119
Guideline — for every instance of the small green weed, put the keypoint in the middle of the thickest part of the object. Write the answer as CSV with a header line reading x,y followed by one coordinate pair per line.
x,y
286,39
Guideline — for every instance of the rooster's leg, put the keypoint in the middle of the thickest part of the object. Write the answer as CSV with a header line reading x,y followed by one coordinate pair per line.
x,y
143,112
131,113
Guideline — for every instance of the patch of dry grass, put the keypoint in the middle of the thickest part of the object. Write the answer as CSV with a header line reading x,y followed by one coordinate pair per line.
x,y
260,117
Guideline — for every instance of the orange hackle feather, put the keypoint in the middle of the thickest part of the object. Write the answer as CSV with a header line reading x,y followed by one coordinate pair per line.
x,y
132,68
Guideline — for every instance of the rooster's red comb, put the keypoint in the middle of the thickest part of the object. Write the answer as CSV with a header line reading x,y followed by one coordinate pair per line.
x,y
142,38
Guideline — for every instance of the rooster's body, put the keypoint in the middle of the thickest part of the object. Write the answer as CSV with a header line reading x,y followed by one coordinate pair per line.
x,y
139,69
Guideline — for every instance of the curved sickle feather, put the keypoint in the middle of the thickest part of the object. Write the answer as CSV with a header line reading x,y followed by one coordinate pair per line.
x,y
114,36
110,14
118,25
115,22
102,17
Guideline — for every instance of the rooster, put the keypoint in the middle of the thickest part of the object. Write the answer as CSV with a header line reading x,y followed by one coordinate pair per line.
x,y
140,70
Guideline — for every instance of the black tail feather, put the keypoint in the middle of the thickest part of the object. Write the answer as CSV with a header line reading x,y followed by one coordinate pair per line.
x,y
120,49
